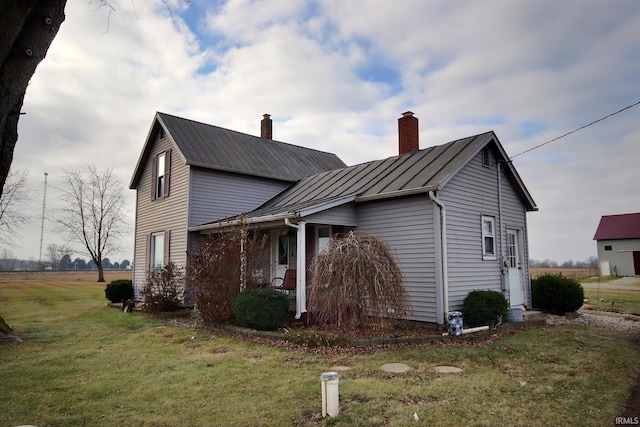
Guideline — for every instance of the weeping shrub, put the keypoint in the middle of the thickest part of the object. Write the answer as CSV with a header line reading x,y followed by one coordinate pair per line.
x,y
119,290
263,309
484,307
557,294
356,282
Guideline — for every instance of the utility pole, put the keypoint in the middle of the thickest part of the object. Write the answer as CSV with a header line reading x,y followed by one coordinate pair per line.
x,y
44,203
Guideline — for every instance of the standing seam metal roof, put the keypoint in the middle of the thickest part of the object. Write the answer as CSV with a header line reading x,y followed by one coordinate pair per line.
x,y
218,148
427,168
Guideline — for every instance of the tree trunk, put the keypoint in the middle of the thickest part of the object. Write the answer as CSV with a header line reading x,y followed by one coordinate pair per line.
x,y
27,28
100,270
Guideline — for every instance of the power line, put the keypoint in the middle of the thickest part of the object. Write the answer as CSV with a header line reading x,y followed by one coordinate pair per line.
x,y
576,130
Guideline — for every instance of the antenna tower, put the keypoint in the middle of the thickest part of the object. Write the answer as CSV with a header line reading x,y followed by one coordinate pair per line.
x,y
44,203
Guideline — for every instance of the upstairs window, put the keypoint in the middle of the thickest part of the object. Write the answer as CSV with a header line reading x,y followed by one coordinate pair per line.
x,y
488,238
161,170
608,247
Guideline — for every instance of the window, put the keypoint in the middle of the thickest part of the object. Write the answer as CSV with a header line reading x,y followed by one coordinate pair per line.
x,y
608,248
157,250
488,238
160,181
161,168
324,234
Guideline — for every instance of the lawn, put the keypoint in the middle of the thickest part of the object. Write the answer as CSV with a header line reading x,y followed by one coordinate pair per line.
x,y
84,364
618,300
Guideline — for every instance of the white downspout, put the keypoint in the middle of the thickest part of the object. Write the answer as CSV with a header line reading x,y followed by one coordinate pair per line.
x,y
503,234
443,242
301,279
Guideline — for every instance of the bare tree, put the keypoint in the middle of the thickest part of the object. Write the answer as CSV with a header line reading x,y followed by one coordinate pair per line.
x,y
13,206
56,252
93,212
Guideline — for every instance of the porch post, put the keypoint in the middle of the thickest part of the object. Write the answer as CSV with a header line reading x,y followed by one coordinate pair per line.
x,y
301,276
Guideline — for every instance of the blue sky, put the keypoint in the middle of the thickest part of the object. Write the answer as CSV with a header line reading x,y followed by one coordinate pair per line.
x,y
335,76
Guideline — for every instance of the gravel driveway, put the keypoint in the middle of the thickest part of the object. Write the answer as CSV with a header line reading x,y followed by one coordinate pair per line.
x,y
600,319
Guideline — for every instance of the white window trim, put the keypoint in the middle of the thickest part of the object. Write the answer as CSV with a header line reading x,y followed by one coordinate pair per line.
x,y
485,255
161,160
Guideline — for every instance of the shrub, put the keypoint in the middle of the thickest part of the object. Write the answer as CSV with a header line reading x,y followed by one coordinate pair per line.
x,y
484,307
356,282
119,290
216,270
557,294
163,289
262,308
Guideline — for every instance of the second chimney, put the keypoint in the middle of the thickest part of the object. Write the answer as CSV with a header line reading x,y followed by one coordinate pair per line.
x,y
266,127
408,133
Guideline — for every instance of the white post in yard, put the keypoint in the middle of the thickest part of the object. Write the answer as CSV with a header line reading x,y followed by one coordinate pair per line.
x,y
330,394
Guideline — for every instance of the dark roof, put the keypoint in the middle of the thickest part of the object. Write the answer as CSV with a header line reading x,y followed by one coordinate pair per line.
x,y
213,147
613,227
422,170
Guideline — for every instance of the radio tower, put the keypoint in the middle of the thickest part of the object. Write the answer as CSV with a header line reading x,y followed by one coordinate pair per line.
x,y
44,201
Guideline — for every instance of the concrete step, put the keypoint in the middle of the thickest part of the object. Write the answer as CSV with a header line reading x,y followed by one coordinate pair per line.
x,y
533,315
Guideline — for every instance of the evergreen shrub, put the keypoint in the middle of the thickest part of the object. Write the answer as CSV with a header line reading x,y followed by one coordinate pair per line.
x,y
556,294
119,290
263,309
483,307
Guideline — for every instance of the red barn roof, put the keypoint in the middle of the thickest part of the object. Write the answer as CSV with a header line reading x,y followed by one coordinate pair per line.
x,y
612,227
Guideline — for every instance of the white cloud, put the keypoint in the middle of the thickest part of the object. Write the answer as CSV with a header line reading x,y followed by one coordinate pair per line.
x,y
337,75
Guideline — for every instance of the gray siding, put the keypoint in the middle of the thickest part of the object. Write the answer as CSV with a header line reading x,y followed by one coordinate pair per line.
x,y
340,215
160,215
471,193
406,224
216,195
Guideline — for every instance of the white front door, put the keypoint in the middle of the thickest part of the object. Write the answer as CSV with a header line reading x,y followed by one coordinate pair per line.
x,y
514,267
279,255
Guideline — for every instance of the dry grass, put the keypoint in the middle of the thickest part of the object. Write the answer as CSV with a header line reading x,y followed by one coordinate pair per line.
x,y
73,276
84,364
573,273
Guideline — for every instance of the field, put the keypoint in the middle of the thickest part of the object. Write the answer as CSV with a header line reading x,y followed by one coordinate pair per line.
x,y
82,363
574,273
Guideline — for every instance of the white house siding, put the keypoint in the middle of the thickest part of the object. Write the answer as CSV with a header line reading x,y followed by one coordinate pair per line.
x,y
620,256
216,194
406,224
160,215
471,193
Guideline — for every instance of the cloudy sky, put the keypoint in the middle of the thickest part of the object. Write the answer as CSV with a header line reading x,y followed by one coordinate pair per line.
x,y
336,75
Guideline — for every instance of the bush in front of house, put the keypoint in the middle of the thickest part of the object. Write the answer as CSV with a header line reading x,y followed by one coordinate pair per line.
x,y
216,265
556,294
263,309
163,289
483,307
119,290
356,282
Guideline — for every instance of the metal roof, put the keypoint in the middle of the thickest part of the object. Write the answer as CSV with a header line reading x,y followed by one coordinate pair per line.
x,y
213,147
422,170
613,227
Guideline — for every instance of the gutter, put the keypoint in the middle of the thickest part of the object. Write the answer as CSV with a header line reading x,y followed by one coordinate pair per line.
x,y
443,243
240,221
397,193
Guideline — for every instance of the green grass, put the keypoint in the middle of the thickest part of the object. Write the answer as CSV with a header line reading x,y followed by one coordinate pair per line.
x,y
84,364
613,299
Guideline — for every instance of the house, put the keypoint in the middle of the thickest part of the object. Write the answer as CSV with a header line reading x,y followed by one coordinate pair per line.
x,y
455,214
618,240
190,173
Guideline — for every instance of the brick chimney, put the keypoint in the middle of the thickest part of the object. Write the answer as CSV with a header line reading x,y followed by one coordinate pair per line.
x,y
408,133
266,127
